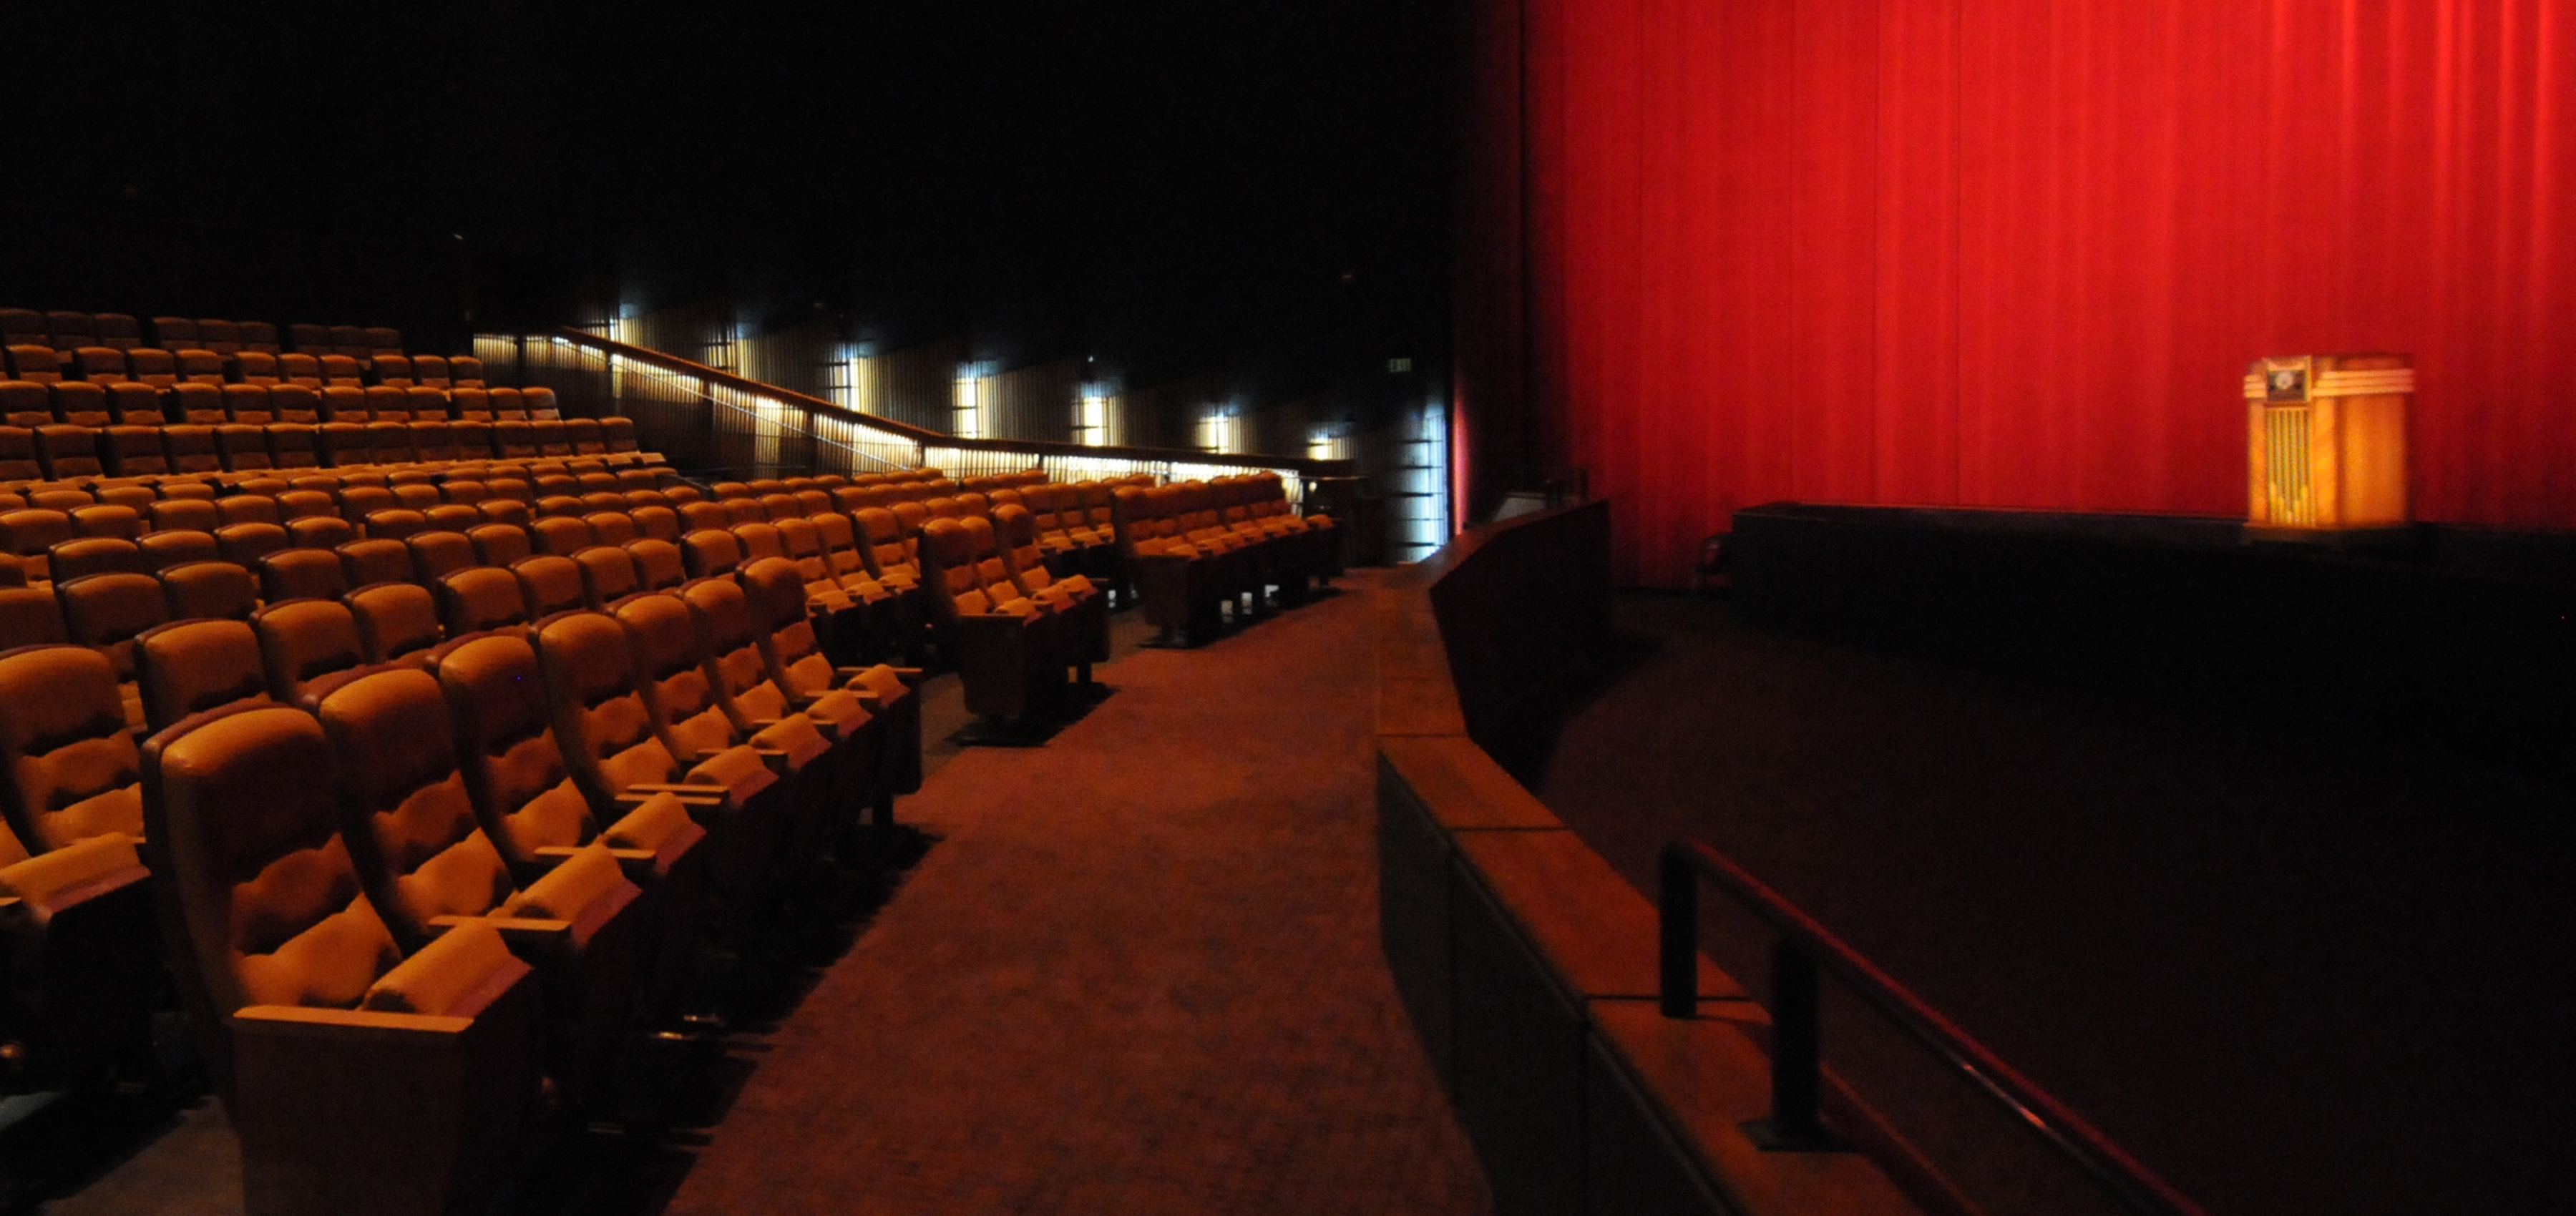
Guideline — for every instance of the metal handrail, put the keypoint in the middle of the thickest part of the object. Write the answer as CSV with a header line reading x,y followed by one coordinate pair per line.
x,y
1304,466
1802,950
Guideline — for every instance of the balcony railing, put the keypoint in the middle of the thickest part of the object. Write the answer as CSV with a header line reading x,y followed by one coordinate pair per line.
x,y
707,420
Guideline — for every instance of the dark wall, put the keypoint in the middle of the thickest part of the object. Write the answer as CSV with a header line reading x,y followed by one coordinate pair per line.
x,y
1178,189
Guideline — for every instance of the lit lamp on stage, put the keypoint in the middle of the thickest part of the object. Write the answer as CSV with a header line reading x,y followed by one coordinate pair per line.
x,y
2326,444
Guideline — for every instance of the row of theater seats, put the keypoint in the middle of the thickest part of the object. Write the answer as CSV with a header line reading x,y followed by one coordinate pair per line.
x,y
65,451
1011,584
99,364
65,329
412,863
150,365
1197,550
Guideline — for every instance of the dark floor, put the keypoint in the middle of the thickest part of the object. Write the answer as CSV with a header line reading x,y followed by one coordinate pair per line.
x,y
1135,970
2306,979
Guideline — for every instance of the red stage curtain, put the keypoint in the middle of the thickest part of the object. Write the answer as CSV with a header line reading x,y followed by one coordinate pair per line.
x,y
2006,252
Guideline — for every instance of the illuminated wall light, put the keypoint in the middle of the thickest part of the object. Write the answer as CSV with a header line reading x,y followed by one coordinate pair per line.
x,y
1324,444
851,378
1091,426
974,395
1217,430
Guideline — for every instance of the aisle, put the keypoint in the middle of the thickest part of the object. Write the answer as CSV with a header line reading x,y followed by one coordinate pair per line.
x,y
1138,973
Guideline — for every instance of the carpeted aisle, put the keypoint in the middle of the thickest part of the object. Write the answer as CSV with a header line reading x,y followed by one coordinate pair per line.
x,y
1139,973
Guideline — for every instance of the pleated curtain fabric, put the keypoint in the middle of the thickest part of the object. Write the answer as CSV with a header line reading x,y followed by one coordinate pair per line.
x,y
2006,253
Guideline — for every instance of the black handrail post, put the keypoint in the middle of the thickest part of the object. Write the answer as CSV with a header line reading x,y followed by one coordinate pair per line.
x,y
1795,1045
1678,925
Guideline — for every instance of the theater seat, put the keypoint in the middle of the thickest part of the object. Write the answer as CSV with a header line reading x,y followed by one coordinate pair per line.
x,y
167,547
838,778
220,588
550,584
259,336
1181,588
397,621
358,1080
191,666
78,931
104,611
426,862
221,337
659,565
68,452
537,815
254,369
301,574
480,598
702,729
300,641
30,616
1003,645
797,665
84,555
175,333
1084,610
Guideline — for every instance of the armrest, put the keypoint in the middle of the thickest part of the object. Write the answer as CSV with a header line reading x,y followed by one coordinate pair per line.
x,y
74,874
775,758
347,1025
458,974
637,863
527,937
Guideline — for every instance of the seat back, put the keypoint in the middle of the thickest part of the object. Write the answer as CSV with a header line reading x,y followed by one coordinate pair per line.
x,y
610,738
610,527
167,547
208,589
254,369
419,851
174,333
775,596
107,519
396,620
192,449
729,637
710,553
293,402
25,403
498,544
480,598
242,816
73,772
659,564
219,336
658,522
607,575
192,513
190,666
674,675
300,641
243,544
105,611
84,555
550,583
30,616
561,535
522,790
290,574
434,554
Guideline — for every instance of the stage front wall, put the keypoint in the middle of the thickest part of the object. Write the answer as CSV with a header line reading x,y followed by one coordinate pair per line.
x,y
2006,252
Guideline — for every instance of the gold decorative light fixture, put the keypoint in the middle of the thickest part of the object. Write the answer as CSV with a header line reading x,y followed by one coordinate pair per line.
x,y
2326,442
